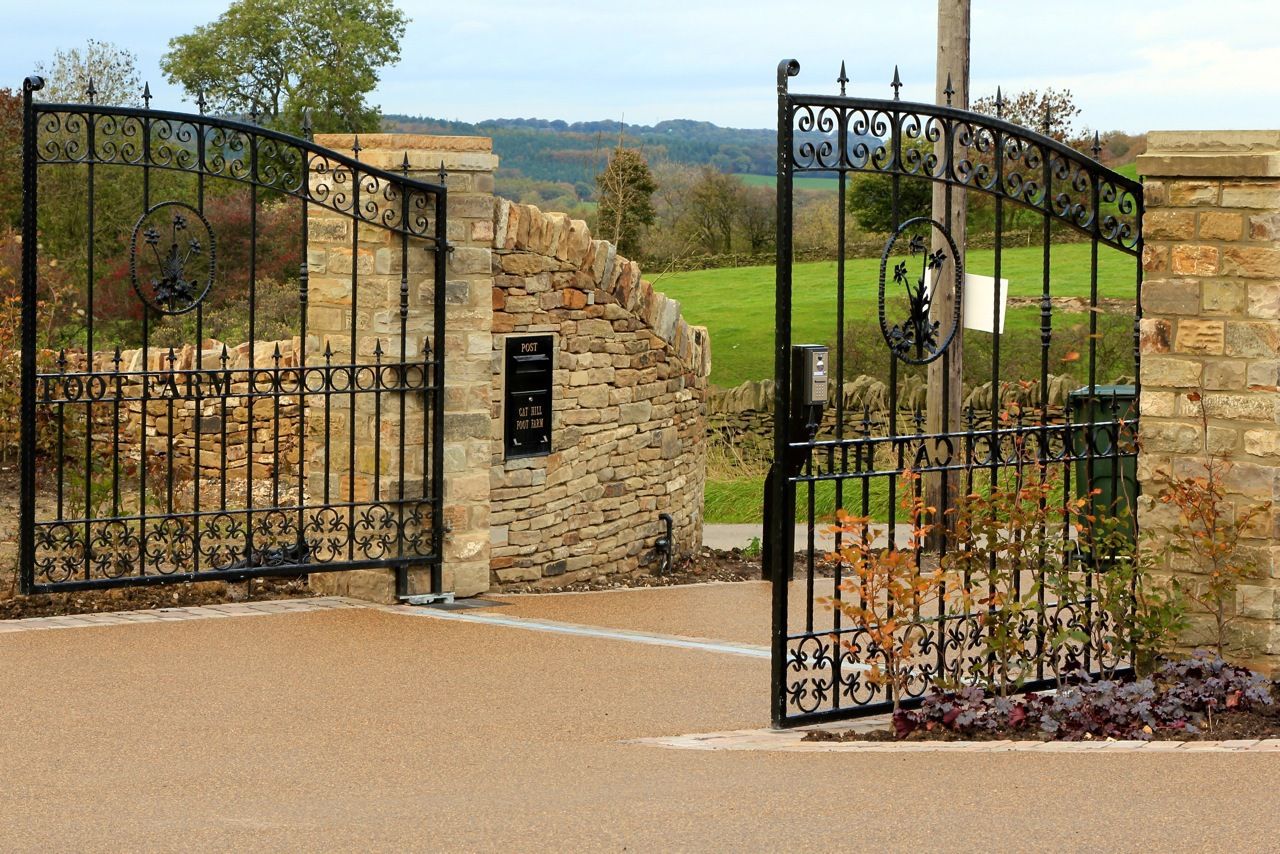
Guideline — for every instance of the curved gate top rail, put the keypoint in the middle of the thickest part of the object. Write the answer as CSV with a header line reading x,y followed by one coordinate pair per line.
x,y
972,151
238,151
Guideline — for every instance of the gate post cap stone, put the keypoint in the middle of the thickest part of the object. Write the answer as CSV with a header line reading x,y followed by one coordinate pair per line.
x,y
1211,154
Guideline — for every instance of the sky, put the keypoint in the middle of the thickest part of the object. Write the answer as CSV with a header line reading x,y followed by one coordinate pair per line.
x,y
1134,66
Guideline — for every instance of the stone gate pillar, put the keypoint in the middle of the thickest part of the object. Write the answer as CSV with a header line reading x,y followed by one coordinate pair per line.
x,y
469,164
1211,337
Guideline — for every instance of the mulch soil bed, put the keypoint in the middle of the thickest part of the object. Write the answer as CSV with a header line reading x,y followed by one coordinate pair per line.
x,y
1254,723
185,595
704,566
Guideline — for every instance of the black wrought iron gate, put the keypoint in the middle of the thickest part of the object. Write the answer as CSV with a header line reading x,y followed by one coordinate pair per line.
x,y
1032,404
205,394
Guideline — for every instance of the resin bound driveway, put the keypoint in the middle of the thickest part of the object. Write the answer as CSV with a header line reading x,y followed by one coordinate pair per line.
x,y
364,729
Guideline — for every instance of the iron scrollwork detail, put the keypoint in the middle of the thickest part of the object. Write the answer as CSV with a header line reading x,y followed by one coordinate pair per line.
x,y
919,338
169,242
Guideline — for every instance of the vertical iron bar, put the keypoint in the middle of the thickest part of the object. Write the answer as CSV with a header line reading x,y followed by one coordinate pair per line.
x,y
300,357
402,575
90,128
199,366
30,237
1046,340
782,522
437,358
251,423
146,364
351,359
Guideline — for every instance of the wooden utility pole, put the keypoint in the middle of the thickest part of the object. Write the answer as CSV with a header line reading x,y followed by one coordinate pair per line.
x,y
946,384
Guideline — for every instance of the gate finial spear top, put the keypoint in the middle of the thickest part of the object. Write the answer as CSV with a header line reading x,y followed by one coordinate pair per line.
x,y
950,90
1097,145
1048,118
443,173
843,78
146,95
306,123
200,102
897,83
91,91
999,103
404,165
355,146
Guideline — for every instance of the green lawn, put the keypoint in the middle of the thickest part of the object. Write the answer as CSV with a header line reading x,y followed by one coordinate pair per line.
x,y
740,500
736,304
801,182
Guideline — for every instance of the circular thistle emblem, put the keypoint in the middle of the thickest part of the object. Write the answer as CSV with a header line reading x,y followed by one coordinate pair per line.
x,y
171,257
921,336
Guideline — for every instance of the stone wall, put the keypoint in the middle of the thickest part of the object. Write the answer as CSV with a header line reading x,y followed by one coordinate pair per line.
x,y
1211,350
628,430
232,435
743,415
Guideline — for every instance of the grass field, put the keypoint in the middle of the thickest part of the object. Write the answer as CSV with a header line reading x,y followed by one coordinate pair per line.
x,y
801,183
736,305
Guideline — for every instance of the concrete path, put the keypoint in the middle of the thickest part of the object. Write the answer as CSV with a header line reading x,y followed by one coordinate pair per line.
x,y
372,730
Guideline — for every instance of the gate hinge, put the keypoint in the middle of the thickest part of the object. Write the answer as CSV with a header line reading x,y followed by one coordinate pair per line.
x,y
427,599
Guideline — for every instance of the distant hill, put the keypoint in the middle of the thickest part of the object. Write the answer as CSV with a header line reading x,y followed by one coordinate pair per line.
x,y
572,153
553,162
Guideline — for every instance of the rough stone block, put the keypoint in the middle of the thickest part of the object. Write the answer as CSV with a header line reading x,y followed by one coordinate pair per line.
x,y
1195,260
1169,225
1221,225
1251,262
1200,336
1171,296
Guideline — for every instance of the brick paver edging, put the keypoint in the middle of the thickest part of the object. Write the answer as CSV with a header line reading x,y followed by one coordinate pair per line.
x,y
161,615
791,741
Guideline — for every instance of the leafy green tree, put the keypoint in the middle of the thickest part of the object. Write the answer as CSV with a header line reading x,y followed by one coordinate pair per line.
x,y
279,58
625,189
714,203
871,198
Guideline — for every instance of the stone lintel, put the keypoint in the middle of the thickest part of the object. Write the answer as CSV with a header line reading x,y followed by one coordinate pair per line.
x,y
1211,154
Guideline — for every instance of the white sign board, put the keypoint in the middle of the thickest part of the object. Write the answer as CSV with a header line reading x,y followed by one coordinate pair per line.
x,y
979,302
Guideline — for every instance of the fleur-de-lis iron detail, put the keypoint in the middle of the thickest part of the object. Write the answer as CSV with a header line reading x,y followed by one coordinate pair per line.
x,y
918,339
172,286
173,280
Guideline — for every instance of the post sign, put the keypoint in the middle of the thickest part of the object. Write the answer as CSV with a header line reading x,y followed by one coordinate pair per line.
x,y
527,409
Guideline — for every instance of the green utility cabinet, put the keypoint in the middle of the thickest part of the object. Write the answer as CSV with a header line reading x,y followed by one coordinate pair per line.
x,y
1115,466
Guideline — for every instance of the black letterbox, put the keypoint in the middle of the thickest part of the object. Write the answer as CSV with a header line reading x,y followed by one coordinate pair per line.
x,y
527,403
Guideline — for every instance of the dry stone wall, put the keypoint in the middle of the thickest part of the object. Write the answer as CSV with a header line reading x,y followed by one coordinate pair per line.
x,y
229,433
743,415
629,388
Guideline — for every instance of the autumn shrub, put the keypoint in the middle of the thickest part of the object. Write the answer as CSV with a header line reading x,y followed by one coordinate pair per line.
x,y
1210,528
277,259
885,590
54,303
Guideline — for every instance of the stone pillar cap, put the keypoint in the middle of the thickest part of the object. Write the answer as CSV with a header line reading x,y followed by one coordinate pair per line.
x,y
404,142
1211,154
